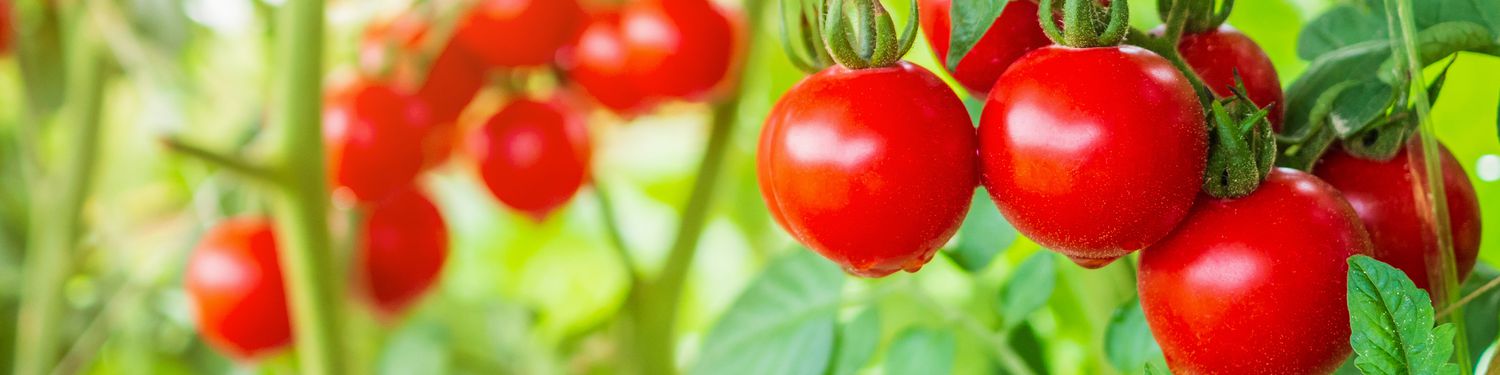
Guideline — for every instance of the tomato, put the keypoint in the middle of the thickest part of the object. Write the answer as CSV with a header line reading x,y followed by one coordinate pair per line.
x,y
873,168
1093,152
533,155
405,245
679,49
1255,285
5,26
1217,54
519,33
447,83
600,67
1382,192
234,279
376,139
1013,34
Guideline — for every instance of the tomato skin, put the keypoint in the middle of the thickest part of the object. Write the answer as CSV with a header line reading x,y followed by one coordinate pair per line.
x,y
601,67
1081,170
5,26
234,279
872,168
533,155
1382,194
493,31
1217,54
375,136
1256,285
447,84
681,49
404,248
1013,34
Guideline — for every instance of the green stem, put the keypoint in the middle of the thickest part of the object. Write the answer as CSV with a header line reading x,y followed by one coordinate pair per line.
x,y
313,282
612,228
57,212
221,160
999,346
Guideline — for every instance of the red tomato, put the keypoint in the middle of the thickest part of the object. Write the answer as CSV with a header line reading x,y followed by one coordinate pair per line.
x,y
534,156
1012,35
600,67
1216,55
5,26
448,83
234,279
518,33
1255,285
679,49
1094,152
376,139
873,168
405,245
1383,195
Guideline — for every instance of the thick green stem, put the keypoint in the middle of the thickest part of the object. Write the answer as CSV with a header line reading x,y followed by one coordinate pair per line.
x,y
221,160
57,211
314,284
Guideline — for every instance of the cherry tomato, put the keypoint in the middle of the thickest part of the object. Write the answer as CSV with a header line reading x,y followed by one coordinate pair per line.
x,y
873,168
1013,34
447,83
1217,54
1255,285
1094,152
519,33
5,27
679,49
234,279
376,139
1382,193
405,245
533,155
601,67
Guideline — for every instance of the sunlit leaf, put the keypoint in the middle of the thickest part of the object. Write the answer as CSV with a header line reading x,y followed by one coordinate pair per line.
x,y
920,350
1028,288
971,19
1391,320
857,341
782,324
1128,342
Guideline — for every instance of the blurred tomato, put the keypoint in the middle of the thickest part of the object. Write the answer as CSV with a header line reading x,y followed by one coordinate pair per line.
x,y
517,33
534,155
680,49
405,245
376,139
234,279
1013,34
601,67
447,81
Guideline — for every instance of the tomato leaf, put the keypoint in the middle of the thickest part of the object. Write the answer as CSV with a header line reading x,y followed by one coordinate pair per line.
x,y
1153,369
971,19
1128,342
1028,288
1480,313
1327,71
782,324
983,235
1339,27
1029,347
1391,323
920,350
1443,40
857,340
1359,106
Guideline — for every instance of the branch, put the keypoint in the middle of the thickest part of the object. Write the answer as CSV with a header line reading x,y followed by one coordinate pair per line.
x,y
232,164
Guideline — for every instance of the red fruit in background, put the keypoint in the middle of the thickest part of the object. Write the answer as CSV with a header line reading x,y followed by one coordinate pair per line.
x,y
534,156
1217,54
1383,193
679,49
376,138
1094,152
1255,285
873,168
1013,34
234,279
601,67
448,81
519,33
405,245
5,26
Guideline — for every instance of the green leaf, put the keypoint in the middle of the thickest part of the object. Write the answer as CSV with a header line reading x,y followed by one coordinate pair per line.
x,y
1339,27
1432,12
1031,348
1128,342
782,324
1028,288
1359,60
1153,369
857,341
1480,313
1391,323
920,350
971,19
983,235
1443,40
1359,106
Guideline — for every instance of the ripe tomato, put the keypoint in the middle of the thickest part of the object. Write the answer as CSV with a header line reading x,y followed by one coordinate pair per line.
x,y
375,137
873,168
1255,285
447,83
405,245
518,33
534,156
1094,152
1012,35
1217,54
5,26
679,49
1382,193
234,279
600,67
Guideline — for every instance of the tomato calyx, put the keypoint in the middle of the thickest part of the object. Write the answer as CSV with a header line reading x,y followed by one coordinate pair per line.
x,y
1242,146
825,35
1081,22
1201,15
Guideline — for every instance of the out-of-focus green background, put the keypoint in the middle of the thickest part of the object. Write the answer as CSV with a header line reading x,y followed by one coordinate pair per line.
x,y
517,296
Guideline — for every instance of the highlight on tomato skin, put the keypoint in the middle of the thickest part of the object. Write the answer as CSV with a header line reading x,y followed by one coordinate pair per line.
x,y
679,49
404,248
600,66
375,138
234,281
491,30
1013,34
534,155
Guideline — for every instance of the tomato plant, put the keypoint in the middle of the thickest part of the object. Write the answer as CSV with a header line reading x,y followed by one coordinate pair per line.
x,y
1382,192
534,155
404,247
1256,284
601,67
1223,54
520,33
395,48
1012,35
376,139
234,279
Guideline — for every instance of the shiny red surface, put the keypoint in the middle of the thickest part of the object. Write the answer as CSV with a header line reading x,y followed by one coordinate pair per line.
x,y
872,168
1216,55
447,83
234,280
1012,35
519,33
1093,153
1255,285
534,156
1384,195
680,49
376,139
405,245
5,26
601,67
